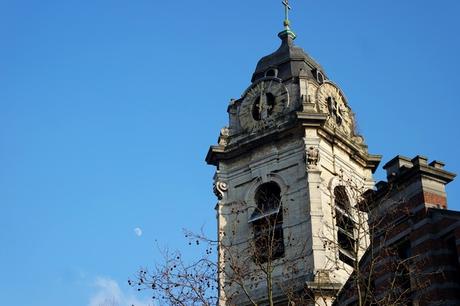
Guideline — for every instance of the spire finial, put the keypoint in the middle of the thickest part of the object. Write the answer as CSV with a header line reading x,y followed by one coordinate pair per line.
x,y
287,30
287,7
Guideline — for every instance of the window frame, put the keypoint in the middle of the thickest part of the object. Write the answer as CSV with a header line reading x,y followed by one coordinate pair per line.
x,y
271,216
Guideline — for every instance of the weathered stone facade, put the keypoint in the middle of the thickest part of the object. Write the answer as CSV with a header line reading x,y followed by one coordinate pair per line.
x,y
292,127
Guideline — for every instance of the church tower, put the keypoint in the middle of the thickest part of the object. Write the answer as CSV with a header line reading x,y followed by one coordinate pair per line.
x,y
288,165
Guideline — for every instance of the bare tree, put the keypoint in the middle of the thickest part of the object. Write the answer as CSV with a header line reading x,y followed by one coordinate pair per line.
x,y
174,282
243,273
255,270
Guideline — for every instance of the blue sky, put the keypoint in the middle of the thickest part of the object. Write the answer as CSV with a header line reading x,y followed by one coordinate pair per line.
x,y
107,109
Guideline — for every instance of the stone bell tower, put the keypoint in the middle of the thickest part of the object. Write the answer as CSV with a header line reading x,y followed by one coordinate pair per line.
x,y
285,166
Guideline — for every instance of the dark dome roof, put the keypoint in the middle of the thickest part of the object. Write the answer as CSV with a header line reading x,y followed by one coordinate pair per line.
x,y
289,60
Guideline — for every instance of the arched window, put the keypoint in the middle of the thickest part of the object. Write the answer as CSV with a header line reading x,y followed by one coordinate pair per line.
x,y
318,75
267,223
272,72
345,226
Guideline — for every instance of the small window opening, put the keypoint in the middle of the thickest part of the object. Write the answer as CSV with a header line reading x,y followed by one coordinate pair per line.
x,y
267,221
345,227
271,73
319,77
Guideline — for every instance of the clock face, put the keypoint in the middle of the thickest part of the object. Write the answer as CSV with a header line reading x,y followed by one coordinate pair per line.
x,y
262,102
331,101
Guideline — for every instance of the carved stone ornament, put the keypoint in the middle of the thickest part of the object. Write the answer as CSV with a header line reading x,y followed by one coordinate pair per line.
x,y
219,189
312,157
358,139
224,136
331,100
323,277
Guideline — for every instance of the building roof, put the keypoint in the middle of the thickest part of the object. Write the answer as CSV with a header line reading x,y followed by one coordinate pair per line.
x,y
290,60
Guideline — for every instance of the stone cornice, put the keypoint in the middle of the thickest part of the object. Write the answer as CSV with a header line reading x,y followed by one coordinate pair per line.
x,y
357,152
218,152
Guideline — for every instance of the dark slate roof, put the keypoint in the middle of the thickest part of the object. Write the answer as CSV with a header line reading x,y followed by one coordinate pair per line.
x,y
288,59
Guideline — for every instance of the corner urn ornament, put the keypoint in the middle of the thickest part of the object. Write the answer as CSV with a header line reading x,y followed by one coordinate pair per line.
x,y
224,136
331,101
262,102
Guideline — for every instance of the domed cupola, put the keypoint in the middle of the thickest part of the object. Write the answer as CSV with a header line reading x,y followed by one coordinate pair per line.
x,y
288,61
288,93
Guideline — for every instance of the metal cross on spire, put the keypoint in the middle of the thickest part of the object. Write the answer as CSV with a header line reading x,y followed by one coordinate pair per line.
x,y
287,32
287,7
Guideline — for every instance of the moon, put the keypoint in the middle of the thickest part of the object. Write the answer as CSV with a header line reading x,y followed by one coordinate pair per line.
x,y
138,231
